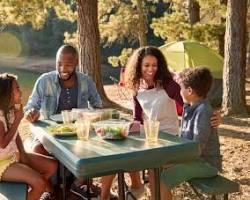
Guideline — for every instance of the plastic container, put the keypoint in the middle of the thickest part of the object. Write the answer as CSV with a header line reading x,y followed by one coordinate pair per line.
x,y
112,129
91,115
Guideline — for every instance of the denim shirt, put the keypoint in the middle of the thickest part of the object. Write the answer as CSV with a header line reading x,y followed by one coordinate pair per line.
x,y
47,89
196,126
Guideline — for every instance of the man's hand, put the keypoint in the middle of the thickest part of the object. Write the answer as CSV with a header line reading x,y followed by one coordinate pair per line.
x,y
215,119
32,115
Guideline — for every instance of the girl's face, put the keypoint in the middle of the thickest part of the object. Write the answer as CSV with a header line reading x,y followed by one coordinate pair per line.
x,y
16,94
149,67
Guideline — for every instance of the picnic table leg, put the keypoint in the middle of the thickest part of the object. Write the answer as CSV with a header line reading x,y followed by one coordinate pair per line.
x,y
157,183
63,182
88,188
121,191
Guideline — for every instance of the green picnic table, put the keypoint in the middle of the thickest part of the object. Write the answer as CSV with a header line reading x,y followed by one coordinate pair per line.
x,y
97,157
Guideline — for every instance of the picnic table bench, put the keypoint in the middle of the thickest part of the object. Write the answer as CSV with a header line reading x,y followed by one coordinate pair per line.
x,y
214,186
13,190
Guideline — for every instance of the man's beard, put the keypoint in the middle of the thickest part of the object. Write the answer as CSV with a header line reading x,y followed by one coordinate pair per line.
x,y
68,77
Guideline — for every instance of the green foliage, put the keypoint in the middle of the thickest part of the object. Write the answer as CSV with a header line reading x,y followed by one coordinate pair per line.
x,y
121,60
175,26
118,20
33,11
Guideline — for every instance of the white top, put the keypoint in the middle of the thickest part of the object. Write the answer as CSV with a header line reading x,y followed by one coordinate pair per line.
x,y
157,105
11,149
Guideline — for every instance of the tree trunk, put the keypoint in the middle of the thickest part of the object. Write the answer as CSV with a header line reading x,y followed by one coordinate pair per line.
x,y
89,42
142,23
193,11
89,47
221,39
234,101
248,58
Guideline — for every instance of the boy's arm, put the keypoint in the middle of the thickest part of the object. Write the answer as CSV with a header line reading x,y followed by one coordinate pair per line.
x,y
202,128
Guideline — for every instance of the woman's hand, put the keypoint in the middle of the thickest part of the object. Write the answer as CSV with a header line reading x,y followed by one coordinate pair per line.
x,y
216,119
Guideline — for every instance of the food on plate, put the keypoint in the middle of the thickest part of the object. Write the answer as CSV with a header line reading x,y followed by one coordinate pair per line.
x,y
69,128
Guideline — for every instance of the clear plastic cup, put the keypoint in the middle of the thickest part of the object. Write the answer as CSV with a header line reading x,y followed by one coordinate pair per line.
x,y
151,129
67,116
82,129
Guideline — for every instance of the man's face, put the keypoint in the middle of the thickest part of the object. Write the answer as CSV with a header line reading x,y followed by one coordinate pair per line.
x,y
66,66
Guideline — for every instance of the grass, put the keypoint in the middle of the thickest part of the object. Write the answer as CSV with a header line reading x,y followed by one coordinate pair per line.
x,y
26,80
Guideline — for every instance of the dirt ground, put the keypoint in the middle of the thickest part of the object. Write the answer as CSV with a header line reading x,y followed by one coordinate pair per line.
x,y
234,135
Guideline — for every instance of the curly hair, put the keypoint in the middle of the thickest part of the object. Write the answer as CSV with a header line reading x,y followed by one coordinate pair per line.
x,y
6,82
133,72
199,79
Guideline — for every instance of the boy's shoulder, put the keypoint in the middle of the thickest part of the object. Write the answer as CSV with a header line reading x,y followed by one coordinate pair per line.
x,y
204,106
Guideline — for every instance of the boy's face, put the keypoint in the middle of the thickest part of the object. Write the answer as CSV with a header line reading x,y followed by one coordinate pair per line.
x,y
66,66
186,93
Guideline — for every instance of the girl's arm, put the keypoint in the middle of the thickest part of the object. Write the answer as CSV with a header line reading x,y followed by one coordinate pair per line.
x,y
7,136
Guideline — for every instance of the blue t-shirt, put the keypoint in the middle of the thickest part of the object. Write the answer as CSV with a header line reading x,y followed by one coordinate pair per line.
x,y
196,126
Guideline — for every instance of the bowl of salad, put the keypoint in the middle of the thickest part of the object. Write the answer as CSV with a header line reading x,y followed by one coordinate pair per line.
x,y
112,129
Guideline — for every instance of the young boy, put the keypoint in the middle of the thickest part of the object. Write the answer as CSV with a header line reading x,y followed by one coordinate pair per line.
x,y
196,126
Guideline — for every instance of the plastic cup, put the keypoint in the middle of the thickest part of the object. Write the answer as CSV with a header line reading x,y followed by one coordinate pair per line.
x,y
151,129
67,116
82,129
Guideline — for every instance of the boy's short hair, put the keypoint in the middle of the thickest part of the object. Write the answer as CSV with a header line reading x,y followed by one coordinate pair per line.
x,y
199,79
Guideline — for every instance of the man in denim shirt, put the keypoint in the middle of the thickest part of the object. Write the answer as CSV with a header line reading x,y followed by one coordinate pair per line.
x,y
52,88
62,89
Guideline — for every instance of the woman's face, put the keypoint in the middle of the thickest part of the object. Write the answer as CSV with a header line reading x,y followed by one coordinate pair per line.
x,y
16,94
149,67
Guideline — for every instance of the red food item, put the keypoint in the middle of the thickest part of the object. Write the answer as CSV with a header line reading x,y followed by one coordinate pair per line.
x,y
100,131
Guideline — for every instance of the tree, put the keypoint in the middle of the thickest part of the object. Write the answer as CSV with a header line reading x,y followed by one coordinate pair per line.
x,y
35,12
193,11
134,28
192,19
89,42
234,101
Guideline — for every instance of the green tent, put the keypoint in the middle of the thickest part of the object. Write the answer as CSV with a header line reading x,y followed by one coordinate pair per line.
x,y
185,54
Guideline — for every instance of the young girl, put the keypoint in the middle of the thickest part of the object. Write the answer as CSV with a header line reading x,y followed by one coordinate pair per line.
x,y
15,164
